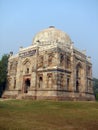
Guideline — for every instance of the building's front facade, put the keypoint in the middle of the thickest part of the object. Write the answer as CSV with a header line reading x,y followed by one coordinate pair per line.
x,y
51,68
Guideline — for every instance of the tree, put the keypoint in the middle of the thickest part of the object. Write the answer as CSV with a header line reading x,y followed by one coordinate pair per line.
x,y
96,87
3,72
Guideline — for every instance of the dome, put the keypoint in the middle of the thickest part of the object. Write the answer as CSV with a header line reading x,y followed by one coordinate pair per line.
x,y
51,35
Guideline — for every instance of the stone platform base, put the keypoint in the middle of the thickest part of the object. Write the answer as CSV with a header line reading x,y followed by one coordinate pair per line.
x,y
51,95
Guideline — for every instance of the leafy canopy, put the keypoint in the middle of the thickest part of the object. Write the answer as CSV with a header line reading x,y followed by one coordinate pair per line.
x,y
3,72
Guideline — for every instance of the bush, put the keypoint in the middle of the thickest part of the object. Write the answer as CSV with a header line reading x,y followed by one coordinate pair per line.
x,y
96,96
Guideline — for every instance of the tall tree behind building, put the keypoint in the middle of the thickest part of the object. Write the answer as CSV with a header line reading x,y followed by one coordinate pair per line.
x,y
96,88
3,72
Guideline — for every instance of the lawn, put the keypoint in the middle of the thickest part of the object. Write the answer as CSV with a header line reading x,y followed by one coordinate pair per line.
x,y
48,115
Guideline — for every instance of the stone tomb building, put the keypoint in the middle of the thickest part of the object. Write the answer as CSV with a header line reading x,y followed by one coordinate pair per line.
x,y
51,68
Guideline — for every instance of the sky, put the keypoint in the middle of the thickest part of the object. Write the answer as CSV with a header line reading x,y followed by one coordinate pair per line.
x,y
20,20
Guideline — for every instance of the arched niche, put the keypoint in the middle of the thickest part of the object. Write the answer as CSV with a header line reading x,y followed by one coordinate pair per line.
x,y
79,77
26,66
27,83
40,81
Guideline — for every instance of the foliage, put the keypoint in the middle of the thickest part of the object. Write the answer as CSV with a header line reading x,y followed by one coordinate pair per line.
x,y
48,115
3,72
96,96
96,87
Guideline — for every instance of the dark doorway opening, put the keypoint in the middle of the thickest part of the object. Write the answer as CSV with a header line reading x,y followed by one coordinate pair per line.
x,y
68,83
40,82
27,85
78,77
77,86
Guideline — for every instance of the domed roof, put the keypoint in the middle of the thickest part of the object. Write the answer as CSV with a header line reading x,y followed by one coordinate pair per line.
x,y
50,35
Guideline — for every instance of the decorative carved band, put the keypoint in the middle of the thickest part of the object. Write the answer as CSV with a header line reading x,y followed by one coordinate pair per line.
x,y
27,53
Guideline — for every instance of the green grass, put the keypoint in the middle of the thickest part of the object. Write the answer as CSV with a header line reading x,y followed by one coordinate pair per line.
x,y
48,115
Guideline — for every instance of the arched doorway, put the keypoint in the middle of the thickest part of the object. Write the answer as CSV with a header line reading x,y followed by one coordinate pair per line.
x,y
78,77
40,82
26,85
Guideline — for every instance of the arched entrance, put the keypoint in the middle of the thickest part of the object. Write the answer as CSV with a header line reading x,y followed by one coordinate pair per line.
x,y
26,85
79,75
40,82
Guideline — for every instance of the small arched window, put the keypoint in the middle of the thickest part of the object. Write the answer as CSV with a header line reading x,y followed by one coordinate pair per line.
x,y
61,59
50,60
27,70
40,61
68,62
88,71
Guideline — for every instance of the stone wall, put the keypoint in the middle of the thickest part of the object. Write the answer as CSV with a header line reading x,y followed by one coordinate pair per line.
x,y
52,72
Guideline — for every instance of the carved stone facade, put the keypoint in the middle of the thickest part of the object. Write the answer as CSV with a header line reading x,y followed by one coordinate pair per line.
x,y
51,68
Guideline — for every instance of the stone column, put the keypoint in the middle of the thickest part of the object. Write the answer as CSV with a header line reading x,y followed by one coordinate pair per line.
x,y
73,72
19,75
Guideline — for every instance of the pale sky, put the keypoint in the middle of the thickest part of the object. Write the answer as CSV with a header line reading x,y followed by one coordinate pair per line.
x,y
20,20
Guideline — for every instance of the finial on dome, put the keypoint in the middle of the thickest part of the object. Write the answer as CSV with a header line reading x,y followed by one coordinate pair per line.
x,y
11,53
89,58
51,26
21,47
